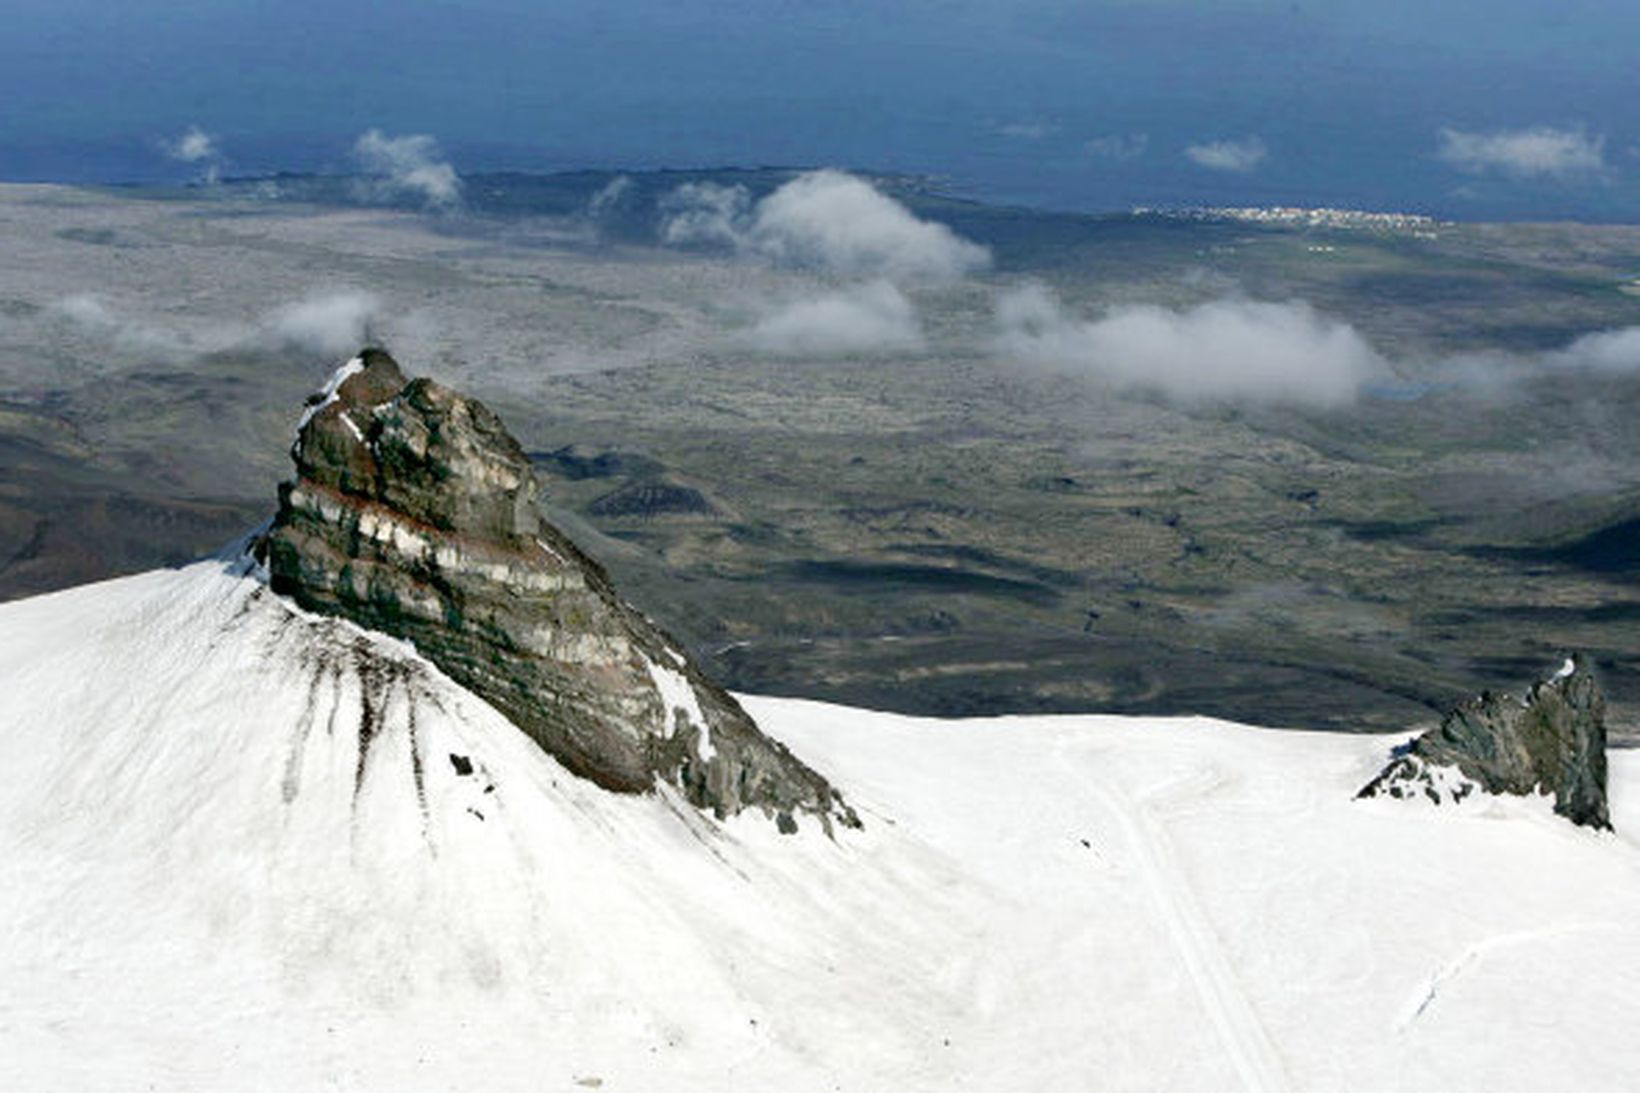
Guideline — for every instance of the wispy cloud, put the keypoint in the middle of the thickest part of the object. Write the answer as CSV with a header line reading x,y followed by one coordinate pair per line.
x,y
328,323
1118,148
198,147
706,214
1538,152
1226,351
609,197
871,318
1239,156
1027,130
90,316
825,220
325,323
407,166
1501,375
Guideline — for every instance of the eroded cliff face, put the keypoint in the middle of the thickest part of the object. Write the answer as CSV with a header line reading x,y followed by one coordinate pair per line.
x,y
1553,740
413,513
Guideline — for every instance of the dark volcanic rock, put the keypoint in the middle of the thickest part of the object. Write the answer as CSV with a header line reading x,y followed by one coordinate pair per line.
x,y
652,499
1553,740
413,513
576,464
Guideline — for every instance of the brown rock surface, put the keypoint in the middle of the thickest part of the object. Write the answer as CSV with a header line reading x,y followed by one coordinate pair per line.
x,y
413,513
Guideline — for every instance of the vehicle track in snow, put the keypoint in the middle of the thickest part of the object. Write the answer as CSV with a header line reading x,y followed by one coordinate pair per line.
x,y
1193,937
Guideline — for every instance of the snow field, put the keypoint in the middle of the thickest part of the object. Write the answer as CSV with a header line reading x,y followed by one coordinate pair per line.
x,y
236,854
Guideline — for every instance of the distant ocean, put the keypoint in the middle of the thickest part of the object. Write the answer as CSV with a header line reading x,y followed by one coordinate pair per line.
x,y
1034,176
1467,109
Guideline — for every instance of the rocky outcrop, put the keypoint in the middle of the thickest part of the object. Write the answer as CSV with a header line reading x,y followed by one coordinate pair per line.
x,y
413,513
1553,740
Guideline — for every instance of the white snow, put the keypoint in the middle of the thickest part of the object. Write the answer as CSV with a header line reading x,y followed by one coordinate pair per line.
x,y
329,391
678,696
204,887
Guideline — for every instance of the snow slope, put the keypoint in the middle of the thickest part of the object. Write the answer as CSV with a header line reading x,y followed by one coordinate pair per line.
x,y
236,854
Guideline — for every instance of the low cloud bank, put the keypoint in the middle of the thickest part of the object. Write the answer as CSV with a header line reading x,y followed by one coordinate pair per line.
x,y
325,324
1228,350
864,319
1611,351
408,166
1503,375
828,221
1239,156
1539,152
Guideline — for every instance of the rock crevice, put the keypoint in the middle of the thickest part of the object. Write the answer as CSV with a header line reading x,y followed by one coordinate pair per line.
x,y
413,512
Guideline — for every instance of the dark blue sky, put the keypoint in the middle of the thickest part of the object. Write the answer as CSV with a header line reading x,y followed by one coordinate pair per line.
x,y
1502,108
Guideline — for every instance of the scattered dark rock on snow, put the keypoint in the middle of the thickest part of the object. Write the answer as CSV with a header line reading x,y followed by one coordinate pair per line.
x,y
413,513
1554,740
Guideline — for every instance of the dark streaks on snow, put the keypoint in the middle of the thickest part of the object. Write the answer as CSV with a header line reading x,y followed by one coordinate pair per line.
x,y
292,781
417,774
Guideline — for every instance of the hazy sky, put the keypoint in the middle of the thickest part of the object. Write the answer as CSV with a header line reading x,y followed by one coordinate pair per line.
x,y
1495,108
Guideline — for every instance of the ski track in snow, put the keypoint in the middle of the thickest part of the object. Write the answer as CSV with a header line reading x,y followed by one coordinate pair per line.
x,y
1193,936
1426,995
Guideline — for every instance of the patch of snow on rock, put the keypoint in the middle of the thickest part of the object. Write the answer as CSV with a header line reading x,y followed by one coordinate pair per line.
x,y
328,393
678,695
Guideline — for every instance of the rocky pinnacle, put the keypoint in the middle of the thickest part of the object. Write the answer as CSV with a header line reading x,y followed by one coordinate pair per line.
x,y
1553,740
413,513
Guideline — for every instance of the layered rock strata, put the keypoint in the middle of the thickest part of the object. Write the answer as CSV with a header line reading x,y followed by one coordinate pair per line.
x,y
1553,741
413,513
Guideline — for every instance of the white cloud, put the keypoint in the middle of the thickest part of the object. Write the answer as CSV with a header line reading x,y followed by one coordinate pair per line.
x,y
1240,156
864,319
1604,351
824,220
408,165
1228,350
833,221
1539,152
330,324
1118,148
193,146
1028,130
197,146
705,213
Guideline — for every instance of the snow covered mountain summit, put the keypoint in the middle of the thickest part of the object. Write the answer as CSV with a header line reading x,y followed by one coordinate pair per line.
x,y
413,514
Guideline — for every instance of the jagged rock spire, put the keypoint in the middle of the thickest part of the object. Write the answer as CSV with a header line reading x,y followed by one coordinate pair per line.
x,y
413,513
1552,740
